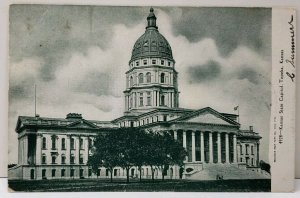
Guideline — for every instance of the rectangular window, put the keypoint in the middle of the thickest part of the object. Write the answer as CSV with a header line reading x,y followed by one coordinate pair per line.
x,y
81,143
72,143
44,161
63,159
81,159
137,63
153,61
252,150
169,63
90,172
53,172
53,159
148,98
145,62
63,144
247,149
72,172
44,173
63,172
44,146
98,172
53,143
72,159
162,62
141,99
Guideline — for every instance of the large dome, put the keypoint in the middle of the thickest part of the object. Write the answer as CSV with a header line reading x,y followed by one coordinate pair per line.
x,y
151,43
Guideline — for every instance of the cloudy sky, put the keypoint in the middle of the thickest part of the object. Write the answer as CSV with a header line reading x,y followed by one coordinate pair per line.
x,y
77,56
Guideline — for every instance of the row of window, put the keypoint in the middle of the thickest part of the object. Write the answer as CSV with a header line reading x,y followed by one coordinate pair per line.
x,y
147,78
161,102
145,121
63,159
63,143
153,62
247,149
248,162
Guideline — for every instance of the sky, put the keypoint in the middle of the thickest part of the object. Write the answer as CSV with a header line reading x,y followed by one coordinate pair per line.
x,y
78,55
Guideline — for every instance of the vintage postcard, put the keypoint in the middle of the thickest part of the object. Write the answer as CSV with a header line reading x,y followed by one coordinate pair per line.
x,y
189,99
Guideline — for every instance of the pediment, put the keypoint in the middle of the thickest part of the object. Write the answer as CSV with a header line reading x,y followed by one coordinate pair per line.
x,y
82,124
208,116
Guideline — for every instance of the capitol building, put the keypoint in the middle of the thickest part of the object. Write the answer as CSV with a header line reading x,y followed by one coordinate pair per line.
x,y
59,148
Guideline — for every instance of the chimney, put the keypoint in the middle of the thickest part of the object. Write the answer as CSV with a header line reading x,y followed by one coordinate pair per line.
x,y
251,128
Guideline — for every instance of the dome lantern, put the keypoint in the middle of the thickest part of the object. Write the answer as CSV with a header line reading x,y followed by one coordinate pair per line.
x,y
151,19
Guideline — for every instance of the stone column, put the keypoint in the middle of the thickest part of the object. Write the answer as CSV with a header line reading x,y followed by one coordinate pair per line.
x,y
210,148
25,138
193,147
175,135
202,146
77,146
219,148
227,148
234,149
38,149
184,141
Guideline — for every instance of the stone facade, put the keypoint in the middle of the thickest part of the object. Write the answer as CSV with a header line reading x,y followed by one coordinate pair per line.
x,y
59,148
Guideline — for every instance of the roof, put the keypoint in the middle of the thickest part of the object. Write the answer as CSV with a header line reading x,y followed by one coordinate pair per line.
x,y
248,134
151,43
66,123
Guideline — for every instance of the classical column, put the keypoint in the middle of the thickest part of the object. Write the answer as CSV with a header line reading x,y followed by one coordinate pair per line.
x,y
257,154
68,149
25,149
193,147
227,148
184,141
210,148
38,149
77,149
175,135
234,149
219,148
202,146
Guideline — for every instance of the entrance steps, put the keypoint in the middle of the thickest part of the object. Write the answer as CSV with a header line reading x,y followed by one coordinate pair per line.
x,y
226,171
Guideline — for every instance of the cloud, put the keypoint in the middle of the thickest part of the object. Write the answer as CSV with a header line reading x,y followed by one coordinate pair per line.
x,y
202,73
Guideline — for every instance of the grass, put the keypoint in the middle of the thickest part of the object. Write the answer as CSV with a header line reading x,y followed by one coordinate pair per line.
x,y
79,185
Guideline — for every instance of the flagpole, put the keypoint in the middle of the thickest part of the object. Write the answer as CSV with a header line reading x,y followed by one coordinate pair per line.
x,y
34,100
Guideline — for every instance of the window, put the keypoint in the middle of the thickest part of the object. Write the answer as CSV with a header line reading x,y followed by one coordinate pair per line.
x,y
107,172
247,149
165,118
53,140
241,160
162,77
44,145
63,159
63,144
81,159
72,173
53,159
131,124
44,174
81,143
44,159
115,172
148,98
53,172
90,143
72,159
90,172
63,172
252,150
137,63
131,102
141,99
241,149
141,78
252,161
162,100
169,63
72,143
148,77
145,62
153,61
131,81
162,62
146,46
98,172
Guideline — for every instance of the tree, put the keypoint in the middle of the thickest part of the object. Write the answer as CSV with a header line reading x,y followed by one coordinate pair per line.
x,y
104,153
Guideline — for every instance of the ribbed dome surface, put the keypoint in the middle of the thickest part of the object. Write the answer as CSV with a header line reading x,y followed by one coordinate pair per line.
x,y
151,44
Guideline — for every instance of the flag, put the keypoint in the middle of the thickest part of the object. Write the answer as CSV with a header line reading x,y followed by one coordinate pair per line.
x,y
236,108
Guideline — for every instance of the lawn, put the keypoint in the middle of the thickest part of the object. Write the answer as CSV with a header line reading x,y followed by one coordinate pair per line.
x,y
85,185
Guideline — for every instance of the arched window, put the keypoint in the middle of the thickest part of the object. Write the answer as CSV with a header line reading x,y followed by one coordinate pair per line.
x,y
53,139
44,159
131,81
44,145
141,78
81,143
53,159
63,159
148,77
162,100
162,77
63,144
